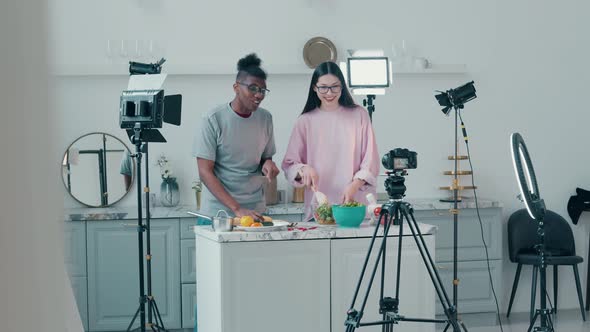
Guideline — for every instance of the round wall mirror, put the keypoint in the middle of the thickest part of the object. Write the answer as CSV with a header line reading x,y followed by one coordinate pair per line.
x,y
97,169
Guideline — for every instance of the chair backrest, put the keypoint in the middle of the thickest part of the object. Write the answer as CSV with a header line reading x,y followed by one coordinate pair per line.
x,y
522,234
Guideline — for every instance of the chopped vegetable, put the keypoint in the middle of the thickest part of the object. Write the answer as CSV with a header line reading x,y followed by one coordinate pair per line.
x,y
352,204
324,212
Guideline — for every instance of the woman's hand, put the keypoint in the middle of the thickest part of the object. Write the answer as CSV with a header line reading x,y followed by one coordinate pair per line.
x,y
309,177
351,189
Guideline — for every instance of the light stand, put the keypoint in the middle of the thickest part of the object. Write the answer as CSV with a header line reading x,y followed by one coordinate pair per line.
x,y
455,212
142,108
396,210
456,99
140,138
368,103
527,183
368,75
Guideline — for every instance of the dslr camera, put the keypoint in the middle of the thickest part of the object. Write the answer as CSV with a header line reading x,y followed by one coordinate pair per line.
x,y
400,159
397,161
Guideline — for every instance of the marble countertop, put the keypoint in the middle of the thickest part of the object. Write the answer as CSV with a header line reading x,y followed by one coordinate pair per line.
x,y
122,213
305,231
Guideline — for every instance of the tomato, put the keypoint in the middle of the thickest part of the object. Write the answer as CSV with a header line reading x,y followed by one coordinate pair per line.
x,y
377,211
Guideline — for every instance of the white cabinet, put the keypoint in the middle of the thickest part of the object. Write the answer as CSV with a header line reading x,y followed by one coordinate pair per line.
x,y
416,290
263,286
301,285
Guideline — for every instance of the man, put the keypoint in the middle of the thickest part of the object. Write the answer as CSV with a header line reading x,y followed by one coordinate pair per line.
x,y
235,146
126,169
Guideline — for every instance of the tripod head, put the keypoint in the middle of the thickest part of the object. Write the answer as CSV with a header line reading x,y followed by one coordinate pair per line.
x,y
398,161
394,184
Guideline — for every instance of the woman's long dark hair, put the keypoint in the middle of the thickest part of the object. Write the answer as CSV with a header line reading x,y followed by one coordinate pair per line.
x,y
322,69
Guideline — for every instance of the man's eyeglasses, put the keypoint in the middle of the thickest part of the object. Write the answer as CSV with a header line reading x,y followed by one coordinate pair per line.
x,y
325,89
255,88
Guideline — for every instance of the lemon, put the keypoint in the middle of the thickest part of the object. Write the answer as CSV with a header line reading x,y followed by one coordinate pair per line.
x,y
246,221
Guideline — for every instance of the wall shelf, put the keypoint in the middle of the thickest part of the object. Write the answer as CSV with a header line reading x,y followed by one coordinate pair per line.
x,y
216,69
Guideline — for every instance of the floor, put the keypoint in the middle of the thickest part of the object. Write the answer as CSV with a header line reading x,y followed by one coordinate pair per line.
x,y
569,320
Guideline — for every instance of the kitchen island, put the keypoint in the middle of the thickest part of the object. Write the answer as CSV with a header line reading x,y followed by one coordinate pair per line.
x,y
303,279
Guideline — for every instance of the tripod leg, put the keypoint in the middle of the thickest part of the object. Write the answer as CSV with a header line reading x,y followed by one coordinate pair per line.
x,y
366,262
447,327
158,316
378,258
448,307
555,285
400,217
133,320
534,291
533,319
428,261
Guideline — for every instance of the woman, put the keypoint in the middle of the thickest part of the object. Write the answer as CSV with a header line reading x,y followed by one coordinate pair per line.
x,y
332,148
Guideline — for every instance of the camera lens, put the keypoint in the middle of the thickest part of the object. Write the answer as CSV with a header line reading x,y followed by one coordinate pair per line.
x,y
387,161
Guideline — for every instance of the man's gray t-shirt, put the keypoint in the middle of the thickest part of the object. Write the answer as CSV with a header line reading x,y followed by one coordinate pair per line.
x,y
236,145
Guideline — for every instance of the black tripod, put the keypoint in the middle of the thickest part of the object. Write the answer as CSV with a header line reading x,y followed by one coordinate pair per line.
x,y
369,104
140,138
543,312
395,211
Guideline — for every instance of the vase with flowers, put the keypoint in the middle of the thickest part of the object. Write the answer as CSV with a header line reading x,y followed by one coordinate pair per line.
x,y
169,191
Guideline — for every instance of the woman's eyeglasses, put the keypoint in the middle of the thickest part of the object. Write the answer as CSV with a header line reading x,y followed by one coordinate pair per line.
x,y
325,89
255,88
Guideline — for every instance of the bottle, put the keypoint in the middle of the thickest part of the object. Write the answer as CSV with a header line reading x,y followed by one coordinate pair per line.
x,y
371,208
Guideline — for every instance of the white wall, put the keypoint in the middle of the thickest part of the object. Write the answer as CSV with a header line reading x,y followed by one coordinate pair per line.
x,y
529,60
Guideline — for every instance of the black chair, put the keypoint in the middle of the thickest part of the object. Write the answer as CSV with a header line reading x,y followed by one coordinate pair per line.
x,y
559,246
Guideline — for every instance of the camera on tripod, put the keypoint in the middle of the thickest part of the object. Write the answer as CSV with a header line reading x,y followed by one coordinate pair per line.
x,y
398,161
397,212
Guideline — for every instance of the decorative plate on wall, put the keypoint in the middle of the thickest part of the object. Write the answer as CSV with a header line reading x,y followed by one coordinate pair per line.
x,y
318,50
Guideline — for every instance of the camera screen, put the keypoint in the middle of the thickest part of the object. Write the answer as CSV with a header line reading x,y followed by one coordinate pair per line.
x,y
400,163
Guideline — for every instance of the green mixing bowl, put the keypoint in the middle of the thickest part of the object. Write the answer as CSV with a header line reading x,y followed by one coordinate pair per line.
x,y
349,216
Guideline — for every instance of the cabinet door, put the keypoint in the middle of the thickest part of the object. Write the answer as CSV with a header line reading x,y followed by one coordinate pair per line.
x,y
188,269
113,275
189,300
256,276
469,244
79,287
75,248
474,290
416,290
186,228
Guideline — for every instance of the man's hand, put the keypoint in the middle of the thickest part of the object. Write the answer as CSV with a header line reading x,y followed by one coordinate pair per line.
x,y
309,177
240,212
270,169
